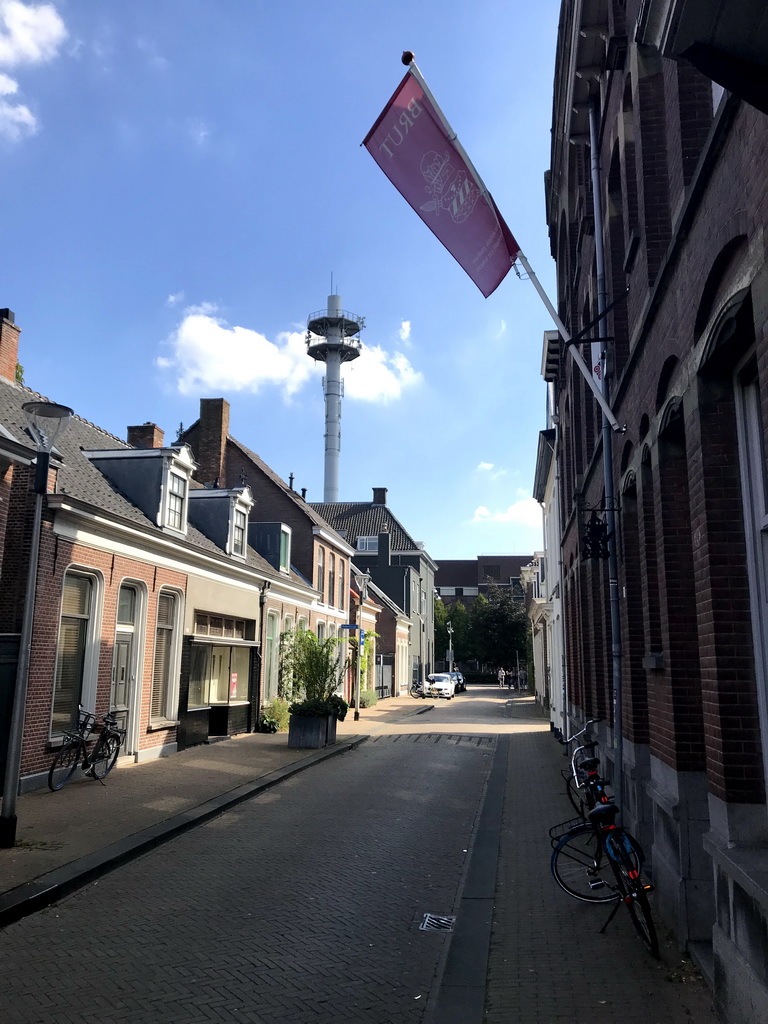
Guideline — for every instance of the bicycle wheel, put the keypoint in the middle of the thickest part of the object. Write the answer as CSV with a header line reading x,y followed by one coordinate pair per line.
x,y
104,756
633,894
63,765
416,691
581,867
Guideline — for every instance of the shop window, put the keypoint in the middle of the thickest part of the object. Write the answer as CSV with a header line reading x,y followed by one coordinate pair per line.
x,y
218,675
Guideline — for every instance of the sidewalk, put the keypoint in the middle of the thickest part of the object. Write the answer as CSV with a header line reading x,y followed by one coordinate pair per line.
x,y
66,838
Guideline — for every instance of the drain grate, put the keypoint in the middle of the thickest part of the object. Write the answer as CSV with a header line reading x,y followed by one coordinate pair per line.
x,y
437,923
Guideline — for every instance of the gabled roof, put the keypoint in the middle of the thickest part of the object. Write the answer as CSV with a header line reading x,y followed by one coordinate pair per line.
x,y
365,519
309,510
84,485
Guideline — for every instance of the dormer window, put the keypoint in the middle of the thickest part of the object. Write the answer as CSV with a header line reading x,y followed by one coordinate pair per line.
x,y
176,507
285,549
368,544
238,532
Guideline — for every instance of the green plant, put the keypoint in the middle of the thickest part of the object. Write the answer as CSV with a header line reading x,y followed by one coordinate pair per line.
x,y
316,708
368,698
274,716
311,672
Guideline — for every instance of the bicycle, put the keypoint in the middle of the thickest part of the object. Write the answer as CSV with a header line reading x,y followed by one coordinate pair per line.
x,y
597,861
101,760
584,786
417,690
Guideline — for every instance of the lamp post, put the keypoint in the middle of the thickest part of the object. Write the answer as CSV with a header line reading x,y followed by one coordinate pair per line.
x,y
362,579
45,421
449,627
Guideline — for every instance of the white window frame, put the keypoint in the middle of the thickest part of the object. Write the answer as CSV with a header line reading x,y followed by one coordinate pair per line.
x,y
370,544
285,531
239,515
92,647
171,710
178,465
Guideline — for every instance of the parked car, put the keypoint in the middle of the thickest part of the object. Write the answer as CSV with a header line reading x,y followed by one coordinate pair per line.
x,y
458,678
440,684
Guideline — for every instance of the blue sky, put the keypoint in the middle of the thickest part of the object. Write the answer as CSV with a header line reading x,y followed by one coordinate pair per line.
x,y
180,178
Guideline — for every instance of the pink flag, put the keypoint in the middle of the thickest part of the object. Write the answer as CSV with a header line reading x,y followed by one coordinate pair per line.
x,y
420,155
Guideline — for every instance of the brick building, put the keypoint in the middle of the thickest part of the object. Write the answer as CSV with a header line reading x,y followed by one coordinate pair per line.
x,y
667,172
286,529
462,579
150,600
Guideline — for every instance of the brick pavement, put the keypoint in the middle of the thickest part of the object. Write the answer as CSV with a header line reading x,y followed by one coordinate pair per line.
x,y
547,963
300,905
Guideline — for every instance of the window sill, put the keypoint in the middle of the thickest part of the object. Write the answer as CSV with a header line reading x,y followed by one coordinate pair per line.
x,y
159,726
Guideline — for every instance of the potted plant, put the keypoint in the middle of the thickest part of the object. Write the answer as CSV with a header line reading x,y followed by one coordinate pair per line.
x,y
311,672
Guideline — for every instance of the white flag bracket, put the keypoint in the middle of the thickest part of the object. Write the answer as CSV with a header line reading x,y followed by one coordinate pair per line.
x,y
570,344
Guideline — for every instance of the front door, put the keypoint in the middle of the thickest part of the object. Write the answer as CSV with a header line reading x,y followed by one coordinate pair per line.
x,y
122,682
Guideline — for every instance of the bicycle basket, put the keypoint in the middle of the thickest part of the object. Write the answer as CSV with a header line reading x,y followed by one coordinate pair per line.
x,y
557,832
85,723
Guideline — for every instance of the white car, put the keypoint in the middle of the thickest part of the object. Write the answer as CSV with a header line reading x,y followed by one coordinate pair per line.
x,y
440,684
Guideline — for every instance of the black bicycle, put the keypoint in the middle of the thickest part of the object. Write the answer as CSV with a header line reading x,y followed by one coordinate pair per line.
x,y
597,861
584,785
74,751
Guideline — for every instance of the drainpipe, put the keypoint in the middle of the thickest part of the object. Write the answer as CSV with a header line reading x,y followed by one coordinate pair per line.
x,y
610,514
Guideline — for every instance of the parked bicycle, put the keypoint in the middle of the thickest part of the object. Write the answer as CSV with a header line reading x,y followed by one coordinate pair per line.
x,y
584,786
99,762
597,861
417,690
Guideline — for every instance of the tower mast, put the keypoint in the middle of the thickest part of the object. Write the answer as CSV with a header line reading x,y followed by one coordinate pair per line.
x,y
332,339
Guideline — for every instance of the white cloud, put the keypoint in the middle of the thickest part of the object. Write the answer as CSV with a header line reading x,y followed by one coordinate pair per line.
x,y
29,33
484,467
524,512
149,48
378,377
198,131
405,331
16,120
207,353
175,299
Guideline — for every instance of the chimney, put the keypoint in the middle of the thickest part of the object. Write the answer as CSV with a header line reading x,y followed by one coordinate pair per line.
x,y
212,440
9,345
146,435
379,495
385,554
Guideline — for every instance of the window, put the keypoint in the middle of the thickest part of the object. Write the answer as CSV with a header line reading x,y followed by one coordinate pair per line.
x,y
218,675
341,602
218,625
331,578
301,625
320,583
367,543
321,631
76,609
270,658
285,549
163,688
238,533
175,515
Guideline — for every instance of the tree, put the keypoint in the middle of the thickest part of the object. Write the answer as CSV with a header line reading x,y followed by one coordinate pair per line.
x,y
458,616
500,629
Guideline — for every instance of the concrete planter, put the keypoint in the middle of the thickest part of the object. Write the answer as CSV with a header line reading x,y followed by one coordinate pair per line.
x,y
311,732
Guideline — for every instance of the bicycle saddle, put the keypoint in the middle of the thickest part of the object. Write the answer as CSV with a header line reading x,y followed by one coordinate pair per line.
x,y
603,814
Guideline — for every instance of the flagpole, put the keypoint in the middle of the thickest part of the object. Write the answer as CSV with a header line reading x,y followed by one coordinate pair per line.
x,y
577,356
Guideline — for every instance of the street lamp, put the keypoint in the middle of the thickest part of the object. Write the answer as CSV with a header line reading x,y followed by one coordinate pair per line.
x,y
449,627
45,422
362,579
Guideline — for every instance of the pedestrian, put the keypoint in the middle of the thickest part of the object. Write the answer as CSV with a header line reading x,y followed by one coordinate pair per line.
x,y
500,674
522,679
510,680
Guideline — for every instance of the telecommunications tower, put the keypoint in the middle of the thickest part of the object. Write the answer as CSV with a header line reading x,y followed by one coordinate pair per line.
x,y
332,339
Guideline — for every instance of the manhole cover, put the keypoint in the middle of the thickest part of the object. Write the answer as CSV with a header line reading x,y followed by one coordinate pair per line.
x,y
437,923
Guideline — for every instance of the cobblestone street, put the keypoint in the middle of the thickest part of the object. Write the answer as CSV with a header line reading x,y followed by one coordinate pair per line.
x,y
304,903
